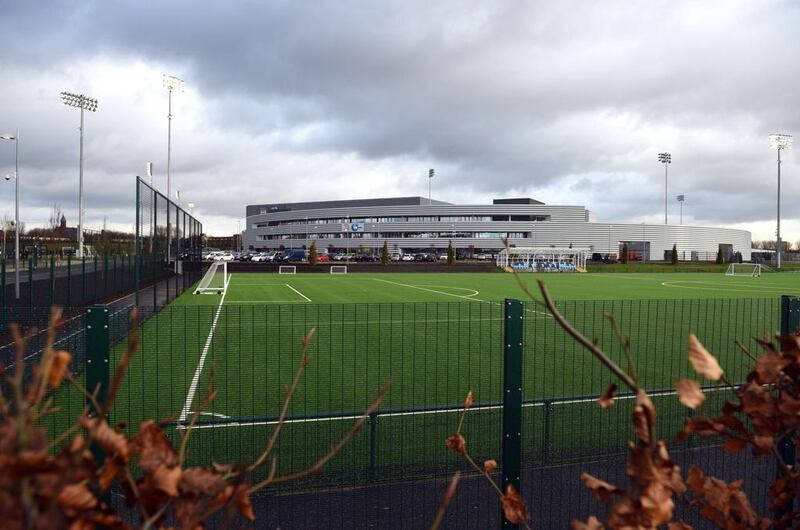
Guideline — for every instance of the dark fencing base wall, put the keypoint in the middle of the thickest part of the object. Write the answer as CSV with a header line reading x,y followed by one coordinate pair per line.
x,y
245,266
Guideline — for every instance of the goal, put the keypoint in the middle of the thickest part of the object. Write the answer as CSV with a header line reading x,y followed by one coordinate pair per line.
x,y
215,280
744,269
338,269
287,269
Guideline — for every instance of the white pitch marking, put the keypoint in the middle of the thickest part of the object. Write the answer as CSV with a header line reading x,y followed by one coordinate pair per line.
x,y
464,296
298,292
201,362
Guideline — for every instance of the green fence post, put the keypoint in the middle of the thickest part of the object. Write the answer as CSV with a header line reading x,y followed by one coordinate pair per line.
x,y
512,397
30,289
95,279
105,276
373,443
790,325
97,361
83,280
69,280
114,268
52,281
5,306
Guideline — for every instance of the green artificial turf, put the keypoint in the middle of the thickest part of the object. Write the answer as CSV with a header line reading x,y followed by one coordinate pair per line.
x,y
434,336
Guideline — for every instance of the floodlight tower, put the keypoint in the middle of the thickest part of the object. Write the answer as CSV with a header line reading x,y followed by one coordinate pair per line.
x,y
666,159
84,103
170,83
681,199
15,137
779,142
430,179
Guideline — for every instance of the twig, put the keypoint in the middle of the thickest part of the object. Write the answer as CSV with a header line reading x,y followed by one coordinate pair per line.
x,y
448,496
287,400
335,449
589,345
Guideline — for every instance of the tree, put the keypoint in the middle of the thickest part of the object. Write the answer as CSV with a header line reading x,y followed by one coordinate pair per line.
x,y
674,257
312,253
624,258
54,222
720,257
451,257
385,254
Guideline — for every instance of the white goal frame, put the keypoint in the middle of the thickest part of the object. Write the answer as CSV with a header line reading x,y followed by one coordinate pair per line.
x,y
287,269
751,270
338,269
542,259
204,287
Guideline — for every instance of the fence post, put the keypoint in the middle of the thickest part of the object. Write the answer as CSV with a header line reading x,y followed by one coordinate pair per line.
x,y
790,322
373,443
3,273
52,281
96,298
83,280
97,361
30,290
512,397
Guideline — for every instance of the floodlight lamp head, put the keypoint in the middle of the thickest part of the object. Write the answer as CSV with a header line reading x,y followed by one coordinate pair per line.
x,y
79,100
665,158
8,136
681,198
173,83
780,141
430,173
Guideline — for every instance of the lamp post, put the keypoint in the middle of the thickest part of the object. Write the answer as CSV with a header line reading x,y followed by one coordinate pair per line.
x,y
84,103
779,142
666,159
430,179
681,198
170,83
14,137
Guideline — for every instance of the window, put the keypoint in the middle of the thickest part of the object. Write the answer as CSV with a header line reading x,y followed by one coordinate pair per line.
x,y
262,211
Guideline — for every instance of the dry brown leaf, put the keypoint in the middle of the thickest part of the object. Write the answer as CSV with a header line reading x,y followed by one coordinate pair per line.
x,y
768,367
76,497
156,450
702,361
734,445
199,481
58,369
689,393
167,479
679,526
456,443
112,442
591,524
513,506
242,501
489,466
606,399
601,489
644,416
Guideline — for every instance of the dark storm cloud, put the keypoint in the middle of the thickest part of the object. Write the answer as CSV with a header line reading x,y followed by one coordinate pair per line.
x,y
507,96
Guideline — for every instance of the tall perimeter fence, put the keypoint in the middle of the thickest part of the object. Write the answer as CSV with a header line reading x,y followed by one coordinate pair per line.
x,y
535,392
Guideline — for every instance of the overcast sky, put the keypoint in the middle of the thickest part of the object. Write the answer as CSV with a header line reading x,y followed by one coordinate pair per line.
x,y
568,102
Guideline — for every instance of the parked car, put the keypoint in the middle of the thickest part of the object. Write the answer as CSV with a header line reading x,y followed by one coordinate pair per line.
x,y
424,256
223,256
442,256
407,257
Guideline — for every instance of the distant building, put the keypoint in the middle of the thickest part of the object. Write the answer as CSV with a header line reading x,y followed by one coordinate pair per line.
x,y
419,224
224,242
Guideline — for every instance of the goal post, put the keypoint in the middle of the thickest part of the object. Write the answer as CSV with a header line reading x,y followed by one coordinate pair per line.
x,y
752,270
338,269
215,280
287,269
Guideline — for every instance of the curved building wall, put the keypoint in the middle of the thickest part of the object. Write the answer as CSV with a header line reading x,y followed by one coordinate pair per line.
x,y
421,226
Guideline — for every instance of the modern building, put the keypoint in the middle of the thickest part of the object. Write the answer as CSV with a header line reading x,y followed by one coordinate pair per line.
x,y
417,224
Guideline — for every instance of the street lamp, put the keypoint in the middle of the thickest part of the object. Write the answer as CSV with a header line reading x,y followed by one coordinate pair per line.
x,y
681,198
14,137
779,142
666,159
84,103
430,179
170,83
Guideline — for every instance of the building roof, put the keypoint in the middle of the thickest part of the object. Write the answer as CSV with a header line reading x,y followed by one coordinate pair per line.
x,y
255,209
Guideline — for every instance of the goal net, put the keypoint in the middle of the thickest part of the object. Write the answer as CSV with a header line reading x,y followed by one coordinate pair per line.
x,y
338,269
752,270
215,280
287,269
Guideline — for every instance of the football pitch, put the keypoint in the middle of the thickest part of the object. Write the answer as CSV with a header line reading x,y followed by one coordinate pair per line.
x,y
434,336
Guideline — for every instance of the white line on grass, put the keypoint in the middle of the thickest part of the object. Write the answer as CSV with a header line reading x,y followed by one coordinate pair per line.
x,y
298,292
465,296
201,362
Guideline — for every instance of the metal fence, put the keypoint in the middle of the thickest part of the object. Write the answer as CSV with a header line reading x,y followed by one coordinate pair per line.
x,y
393,474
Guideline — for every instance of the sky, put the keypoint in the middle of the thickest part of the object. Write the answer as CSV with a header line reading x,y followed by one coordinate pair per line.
x,y
568,102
